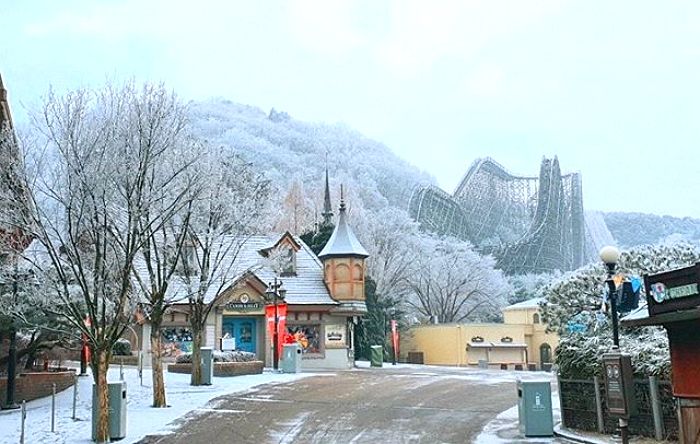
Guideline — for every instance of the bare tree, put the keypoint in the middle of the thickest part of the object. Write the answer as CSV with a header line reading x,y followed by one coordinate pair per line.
x,y
87,208
232,206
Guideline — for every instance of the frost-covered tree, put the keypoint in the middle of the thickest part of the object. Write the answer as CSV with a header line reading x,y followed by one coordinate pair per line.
x,y
450,282
529,286
85,209
579,293
163,226
232,205
577,297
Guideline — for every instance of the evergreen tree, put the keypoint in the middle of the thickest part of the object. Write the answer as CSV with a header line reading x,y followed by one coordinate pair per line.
x,y
317,239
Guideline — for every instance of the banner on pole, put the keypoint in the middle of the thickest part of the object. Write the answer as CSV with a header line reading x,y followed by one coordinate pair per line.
x,y
395,339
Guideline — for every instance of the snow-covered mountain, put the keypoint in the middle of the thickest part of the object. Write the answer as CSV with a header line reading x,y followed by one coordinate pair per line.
x,y
290,150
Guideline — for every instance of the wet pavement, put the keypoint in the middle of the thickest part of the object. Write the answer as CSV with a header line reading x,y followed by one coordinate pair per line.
x,y
388,405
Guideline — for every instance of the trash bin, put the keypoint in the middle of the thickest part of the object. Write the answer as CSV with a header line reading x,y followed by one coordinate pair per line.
x,y
117,410
483,364
207,354
291,358
376,356
535,408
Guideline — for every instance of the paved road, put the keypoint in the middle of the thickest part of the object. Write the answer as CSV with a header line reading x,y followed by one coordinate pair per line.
x,y
402,405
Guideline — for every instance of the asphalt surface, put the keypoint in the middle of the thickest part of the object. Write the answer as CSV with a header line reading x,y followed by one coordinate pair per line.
x,y
401,405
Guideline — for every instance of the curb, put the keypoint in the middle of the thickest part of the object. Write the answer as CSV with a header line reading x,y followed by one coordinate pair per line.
x,y
571,436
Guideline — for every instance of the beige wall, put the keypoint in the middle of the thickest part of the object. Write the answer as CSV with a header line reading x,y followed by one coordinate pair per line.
x,y
345,278
446,344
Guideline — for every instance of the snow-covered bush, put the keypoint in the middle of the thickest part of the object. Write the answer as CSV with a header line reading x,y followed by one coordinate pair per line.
x,y
227,356
122,347
581,356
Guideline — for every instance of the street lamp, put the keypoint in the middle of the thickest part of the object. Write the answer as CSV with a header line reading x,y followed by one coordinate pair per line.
x,y
274,294
610,255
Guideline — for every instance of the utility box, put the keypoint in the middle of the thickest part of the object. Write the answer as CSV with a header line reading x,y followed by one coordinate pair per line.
x,y
376,355
619,384
535,408
291,358
207,355
117,410
483,364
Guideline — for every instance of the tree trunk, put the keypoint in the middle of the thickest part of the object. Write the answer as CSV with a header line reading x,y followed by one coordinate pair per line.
x,y
157,370
196,358
100,377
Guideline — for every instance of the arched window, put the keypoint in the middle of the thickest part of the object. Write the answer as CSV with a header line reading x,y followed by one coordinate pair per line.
x,y
536,318
545,353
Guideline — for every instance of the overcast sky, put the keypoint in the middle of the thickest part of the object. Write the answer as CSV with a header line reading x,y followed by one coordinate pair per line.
x,y
612,88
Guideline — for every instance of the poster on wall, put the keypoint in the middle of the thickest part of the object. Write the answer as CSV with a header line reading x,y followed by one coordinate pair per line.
x,y
335,336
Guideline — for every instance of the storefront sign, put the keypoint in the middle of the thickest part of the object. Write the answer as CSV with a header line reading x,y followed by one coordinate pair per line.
x,y
335,336
241,306
673,290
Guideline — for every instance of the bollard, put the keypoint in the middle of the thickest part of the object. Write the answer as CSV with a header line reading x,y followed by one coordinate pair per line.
x,y
24,417
53,408
75,393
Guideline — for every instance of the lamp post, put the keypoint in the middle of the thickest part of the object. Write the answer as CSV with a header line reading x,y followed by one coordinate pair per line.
x,y
610,255
273,294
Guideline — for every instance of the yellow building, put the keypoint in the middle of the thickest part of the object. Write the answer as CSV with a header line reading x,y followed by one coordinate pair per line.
x,y
520,340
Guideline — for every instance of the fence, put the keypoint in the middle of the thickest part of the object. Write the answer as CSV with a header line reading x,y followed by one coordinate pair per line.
x,y
583,407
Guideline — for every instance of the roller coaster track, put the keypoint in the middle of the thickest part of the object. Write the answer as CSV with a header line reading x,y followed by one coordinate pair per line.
x,y
530,224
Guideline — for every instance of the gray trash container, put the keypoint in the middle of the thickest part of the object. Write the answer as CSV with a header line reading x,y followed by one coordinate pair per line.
x,y
207,354
291,358
117,410
483,364
535,408
376,355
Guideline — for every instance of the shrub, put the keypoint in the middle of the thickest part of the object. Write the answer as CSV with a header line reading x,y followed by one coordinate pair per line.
x,y
122,347
228,356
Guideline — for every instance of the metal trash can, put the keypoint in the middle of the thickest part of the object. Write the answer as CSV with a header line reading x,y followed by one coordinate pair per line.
x,y
291,358
376,356
207,354
117,410
535,408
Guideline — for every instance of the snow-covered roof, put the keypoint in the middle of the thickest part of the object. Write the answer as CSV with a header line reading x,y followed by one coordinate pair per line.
x,y
530,303
343,241
307,287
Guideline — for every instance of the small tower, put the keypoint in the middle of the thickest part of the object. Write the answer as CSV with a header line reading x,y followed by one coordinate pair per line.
x,y
327,209
344,261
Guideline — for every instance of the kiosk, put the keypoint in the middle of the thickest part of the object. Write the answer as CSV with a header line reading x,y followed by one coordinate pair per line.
x,y
673,301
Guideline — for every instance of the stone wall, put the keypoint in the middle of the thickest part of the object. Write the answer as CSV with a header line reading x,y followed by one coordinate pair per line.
x,y
29,386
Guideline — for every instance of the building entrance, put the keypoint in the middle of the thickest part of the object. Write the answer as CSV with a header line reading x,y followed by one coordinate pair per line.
x,y
243,330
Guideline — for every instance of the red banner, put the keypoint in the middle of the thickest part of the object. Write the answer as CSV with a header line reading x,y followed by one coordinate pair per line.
x,y
395,339
281,324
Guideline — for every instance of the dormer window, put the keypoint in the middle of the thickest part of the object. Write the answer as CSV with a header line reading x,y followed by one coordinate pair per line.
x,y
288,259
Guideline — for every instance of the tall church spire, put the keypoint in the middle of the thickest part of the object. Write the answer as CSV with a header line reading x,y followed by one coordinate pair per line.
x,y
327,208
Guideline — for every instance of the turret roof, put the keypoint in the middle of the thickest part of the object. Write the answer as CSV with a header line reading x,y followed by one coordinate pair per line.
x,y
343,241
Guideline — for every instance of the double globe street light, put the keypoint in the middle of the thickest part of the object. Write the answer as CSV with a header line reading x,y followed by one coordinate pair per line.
x,y
274,295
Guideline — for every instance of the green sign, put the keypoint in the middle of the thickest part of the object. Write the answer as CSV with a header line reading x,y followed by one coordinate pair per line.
x,y
661,293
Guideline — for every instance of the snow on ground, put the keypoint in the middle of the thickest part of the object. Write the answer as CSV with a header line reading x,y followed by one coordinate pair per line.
x,y
142,419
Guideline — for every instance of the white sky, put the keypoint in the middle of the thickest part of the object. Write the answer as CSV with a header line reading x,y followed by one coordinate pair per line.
x,y
612,88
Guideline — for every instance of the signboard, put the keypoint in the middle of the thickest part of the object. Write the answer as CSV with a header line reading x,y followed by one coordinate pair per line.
x,y
673,290
228,344
335,336
619,385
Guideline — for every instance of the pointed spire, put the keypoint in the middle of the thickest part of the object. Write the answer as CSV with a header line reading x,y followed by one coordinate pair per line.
x,y
343,242
327,208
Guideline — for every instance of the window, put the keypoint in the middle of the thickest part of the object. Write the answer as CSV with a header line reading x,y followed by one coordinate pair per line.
x,y
172,317
289,266
536,318
308,336
545,353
